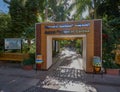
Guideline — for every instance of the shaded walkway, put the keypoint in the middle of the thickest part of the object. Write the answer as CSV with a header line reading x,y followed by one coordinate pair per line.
x,y
66,75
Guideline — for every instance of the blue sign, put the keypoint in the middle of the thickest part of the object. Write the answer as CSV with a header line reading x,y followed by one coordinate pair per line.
x,y
39,61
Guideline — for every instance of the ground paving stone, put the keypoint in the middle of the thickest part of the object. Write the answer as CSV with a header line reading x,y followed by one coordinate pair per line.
x,y
62,77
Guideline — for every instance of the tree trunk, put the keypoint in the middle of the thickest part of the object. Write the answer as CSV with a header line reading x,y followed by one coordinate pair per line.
x,y
29,44
95,4
7,1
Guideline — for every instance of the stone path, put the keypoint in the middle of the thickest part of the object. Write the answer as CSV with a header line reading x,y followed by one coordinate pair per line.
x,y
66,75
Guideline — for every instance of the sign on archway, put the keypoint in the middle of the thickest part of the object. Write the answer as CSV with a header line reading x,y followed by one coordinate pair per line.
x,y
89,30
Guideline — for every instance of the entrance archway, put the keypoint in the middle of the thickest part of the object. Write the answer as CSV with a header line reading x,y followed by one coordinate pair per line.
x,y
89,30
49,47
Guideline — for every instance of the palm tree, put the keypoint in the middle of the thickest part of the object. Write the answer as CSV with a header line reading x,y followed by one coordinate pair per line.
x,y
83,5
61,10
58,10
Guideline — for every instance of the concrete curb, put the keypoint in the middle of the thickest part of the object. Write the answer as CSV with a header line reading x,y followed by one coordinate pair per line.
x,y
104,79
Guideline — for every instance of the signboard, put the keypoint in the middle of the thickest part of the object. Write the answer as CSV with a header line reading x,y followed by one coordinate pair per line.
x,y
67,32
68,25
13,43
67,28
39,59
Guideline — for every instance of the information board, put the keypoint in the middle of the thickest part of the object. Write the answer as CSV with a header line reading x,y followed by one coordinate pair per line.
x,y
12,43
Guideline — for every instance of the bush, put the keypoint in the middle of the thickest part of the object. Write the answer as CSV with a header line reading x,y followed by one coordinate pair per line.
x,y
110,64
30,61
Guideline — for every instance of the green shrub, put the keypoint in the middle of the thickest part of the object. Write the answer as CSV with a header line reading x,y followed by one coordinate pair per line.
x,y
30,61
110,64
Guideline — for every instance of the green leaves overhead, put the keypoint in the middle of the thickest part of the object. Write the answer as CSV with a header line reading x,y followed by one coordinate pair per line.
x,y
24,14
57,10
110,8
4,25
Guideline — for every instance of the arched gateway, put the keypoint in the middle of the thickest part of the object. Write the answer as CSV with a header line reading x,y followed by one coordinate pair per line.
x,y
89,30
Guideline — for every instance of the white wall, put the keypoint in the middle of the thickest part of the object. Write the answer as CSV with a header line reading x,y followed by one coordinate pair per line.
x,y
84,52
49,51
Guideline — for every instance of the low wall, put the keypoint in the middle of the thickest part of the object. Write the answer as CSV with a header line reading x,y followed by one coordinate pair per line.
x,y
13,56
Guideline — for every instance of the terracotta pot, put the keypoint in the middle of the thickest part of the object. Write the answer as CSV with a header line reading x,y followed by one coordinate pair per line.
x,y
38,66
113,71
28,67
96,69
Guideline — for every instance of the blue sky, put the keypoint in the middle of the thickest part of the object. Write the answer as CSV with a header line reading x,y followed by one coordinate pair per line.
x,y
3,7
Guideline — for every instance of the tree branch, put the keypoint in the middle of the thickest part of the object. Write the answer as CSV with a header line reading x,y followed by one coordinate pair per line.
x,y
7,1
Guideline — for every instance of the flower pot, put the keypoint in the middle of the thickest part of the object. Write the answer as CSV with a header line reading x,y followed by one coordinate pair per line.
x,y
97,69
28,67
38,66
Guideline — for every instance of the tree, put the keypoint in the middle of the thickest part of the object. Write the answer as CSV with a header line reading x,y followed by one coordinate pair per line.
x,y
57,10
96,8
109,8
4,28
111,22
24,14
63,10
17,12
5,24
81,6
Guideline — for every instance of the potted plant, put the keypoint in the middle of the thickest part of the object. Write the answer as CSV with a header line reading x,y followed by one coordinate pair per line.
x,y
28,63
97,64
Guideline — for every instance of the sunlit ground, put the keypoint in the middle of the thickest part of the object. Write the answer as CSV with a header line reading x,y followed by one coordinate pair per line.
x,y
74,59
69,75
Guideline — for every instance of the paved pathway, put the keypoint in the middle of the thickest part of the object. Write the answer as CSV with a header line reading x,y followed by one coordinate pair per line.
x,y
66,75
